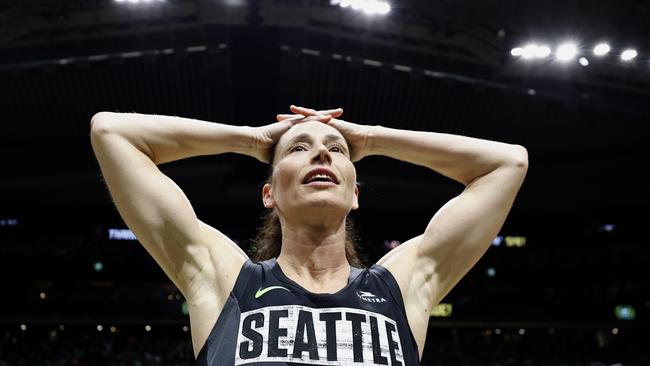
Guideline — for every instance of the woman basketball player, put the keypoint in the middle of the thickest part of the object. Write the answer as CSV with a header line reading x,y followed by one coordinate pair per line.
x,y
306,300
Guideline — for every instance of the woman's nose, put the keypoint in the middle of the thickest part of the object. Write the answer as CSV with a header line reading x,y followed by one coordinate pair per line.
x,y
323,155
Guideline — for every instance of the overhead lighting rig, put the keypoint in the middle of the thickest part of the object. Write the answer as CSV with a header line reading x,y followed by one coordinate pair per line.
x,y
569,51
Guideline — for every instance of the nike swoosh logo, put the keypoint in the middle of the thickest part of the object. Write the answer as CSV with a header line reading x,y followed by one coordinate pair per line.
x,y
261,291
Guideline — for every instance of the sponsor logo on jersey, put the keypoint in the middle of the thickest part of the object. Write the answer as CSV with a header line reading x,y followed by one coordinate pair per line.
x,y
262,291
370,297
315,336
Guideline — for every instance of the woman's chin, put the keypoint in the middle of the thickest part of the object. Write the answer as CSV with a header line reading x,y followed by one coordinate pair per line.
x,y
322,205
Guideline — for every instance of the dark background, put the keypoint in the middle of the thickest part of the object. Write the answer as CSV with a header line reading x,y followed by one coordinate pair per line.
x,y
442,66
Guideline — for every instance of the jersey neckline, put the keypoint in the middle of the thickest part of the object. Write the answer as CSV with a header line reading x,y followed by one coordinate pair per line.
x,y
275,268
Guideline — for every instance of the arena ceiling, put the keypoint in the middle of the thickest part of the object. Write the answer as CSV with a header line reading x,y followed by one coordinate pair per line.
x,y
429,65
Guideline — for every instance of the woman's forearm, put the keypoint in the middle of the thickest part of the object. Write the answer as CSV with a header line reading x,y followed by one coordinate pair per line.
x,y
458,157
168,138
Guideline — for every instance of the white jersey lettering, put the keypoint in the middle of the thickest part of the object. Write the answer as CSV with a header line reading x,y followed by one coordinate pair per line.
x,y
329,336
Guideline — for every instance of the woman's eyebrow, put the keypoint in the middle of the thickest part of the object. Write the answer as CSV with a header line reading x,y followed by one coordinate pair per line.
x,y
302,137
332,137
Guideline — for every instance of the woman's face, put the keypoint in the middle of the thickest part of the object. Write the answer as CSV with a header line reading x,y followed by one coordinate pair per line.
x,y
312,173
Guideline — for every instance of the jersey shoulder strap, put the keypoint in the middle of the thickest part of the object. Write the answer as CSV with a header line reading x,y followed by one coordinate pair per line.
x,y
248,276
391,284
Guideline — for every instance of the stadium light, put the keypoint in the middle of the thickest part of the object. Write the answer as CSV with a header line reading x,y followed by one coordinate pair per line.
x,y
566,52
542,51
357,4
628,55
583,61
601,49
376,7
529,51
370,7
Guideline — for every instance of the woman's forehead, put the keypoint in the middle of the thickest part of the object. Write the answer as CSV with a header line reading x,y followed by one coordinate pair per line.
x,y
314,129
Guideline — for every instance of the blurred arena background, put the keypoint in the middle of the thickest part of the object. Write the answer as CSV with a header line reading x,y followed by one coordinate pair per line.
x,y
565,283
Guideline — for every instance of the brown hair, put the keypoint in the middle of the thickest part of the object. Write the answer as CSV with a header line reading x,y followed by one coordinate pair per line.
x,y
268,240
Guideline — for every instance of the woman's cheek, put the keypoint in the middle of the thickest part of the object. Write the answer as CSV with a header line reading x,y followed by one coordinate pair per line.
x,y
286,176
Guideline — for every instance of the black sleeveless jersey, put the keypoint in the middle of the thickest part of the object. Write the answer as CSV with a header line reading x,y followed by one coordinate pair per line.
x,y
270,320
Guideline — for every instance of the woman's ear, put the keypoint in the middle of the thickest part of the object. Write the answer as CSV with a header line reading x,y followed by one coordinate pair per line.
x,y
355,199
267,196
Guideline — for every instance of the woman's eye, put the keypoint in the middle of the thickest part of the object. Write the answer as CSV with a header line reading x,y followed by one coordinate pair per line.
x,y
337,148
296,147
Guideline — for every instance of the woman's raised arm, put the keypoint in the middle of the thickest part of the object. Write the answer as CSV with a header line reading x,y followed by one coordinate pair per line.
x,y
128,147
202,262
428,266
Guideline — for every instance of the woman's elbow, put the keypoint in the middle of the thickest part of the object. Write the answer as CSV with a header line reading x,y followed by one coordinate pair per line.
x,y
520,157
99,123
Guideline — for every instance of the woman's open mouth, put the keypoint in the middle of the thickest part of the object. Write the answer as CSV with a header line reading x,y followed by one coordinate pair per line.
x,y
320,175
320,183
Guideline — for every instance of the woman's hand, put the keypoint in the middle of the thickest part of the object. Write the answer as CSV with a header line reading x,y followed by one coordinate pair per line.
x,y
356,135
265,137
331,112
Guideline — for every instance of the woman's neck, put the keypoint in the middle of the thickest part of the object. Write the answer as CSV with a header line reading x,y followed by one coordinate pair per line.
x,y
314,257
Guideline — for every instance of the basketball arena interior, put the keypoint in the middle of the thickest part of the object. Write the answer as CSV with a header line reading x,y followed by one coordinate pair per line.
x,y
566,282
